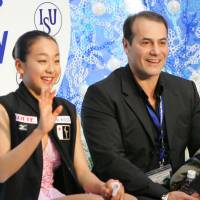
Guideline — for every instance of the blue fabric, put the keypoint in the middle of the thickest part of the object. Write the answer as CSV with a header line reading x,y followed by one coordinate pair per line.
x,y
184,36
96,48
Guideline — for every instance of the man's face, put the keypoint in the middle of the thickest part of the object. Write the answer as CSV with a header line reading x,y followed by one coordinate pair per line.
x,y
149,49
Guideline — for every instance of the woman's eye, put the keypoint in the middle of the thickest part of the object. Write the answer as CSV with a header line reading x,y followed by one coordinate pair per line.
x,y
42,61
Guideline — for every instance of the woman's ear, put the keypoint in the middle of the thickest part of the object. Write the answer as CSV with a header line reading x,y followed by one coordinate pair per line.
x,y
19,67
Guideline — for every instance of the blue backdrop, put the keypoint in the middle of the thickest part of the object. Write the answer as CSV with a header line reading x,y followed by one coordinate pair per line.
x,y
96,47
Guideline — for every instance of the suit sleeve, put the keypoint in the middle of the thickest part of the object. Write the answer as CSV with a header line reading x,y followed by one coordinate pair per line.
x,y
102,131
194,143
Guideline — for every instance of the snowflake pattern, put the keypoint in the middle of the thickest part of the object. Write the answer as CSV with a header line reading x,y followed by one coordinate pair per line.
x,y
96,47
184,38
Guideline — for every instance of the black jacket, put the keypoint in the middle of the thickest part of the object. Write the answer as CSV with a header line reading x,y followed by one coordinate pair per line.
x,y
25,184
120,133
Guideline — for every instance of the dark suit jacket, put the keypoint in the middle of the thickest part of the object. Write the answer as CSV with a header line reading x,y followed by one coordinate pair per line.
x,y
119,131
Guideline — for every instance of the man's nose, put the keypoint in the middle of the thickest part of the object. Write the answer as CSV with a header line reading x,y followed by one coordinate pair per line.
x,y
155,50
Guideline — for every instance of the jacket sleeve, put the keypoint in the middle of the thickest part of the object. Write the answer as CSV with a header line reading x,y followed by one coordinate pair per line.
x,y
104,138
194,142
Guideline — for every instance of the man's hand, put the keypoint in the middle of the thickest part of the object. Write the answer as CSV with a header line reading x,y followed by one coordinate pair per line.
x,y
178,195
196,195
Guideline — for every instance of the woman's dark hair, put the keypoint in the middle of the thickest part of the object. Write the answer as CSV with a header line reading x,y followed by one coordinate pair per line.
x,y
24,42
128,24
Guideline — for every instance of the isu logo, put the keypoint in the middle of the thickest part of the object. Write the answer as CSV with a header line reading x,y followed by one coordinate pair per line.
x,y
48,18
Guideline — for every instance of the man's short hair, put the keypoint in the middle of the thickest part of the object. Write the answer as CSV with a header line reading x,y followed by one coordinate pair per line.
x,y
128,24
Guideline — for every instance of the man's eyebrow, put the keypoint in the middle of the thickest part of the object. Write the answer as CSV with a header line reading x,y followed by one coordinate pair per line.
x,y
146,38
165,38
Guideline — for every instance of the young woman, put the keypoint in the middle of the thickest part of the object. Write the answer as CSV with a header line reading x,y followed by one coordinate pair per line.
x,y
41,156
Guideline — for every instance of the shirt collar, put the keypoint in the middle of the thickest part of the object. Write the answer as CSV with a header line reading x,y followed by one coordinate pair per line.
x,y
158,91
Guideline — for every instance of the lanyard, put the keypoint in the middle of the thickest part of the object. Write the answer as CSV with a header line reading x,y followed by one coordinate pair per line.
x,y
159,124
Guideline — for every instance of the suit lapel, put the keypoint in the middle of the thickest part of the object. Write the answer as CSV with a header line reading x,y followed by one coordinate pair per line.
x,y
135,102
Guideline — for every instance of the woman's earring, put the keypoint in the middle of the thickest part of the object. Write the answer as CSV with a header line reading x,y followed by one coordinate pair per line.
x,y
18,77
57,79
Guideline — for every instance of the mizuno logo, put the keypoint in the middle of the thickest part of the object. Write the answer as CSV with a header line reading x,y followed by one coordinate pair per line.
x,y
23,127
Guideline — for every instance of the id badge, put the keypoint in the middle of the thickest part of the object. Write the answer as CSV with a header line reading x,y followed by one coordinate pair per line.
x,y
161,174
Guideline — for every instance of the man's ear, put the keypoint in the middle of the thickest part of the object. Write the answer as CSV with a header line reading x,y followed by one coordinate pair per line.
x,y
125,45
19,67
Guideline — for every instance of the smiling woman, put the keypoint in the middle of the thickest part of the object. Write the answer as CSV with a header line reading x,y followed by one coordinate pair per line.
x,y
38,66
42,131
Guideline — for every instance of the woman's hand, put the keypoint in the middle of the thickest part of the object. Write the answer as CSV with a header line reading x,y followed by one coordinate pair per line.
x,y
47,115
113,190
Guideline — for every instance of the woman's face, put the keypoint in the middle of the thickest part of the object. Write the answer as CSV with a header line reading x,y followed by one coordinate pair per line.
x,y
42,67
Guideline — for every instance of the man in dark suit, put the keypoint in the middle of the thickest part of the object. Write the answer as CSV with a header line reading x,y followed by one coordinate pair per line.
x,y
140,119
